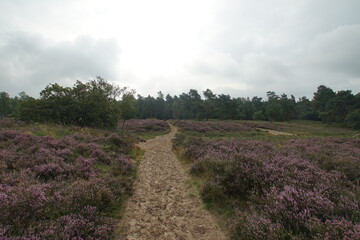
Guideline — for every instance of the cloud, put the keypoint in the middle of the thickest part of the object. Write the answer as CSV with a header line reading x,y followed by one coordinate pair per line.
x,y
215,63
237,47
30,61
253,73
336,51
260,68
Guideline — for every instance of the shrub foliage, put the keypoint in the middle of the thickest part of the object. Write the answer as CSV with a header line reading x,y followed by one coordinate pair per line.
x,y
91,104
67,188
302,189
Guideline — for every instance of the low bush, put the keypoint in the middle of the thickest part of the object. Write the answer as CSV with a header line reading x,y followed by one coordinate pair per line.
x,y
64,188
141,126
287,189
209,126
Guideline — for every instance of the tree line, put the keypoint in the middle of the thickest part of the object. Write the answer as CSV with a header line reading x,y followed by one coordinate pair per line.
x,y
101,104
96,103
340,107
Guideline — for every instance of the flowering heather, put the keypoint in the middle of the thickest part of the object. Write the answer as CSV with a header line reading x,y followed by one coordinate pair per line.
x,y
146,125
338,154
63,188
287,189
211,126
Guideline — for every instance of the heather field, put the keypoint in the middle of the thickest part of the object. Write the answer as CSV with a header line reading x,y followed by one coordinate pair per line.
x,y
226,127
67,182
262,186
61,182
146,128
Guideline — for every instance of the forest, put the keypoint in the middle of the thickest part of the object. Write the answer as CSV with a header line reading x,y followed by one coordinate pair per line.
x,y
101,104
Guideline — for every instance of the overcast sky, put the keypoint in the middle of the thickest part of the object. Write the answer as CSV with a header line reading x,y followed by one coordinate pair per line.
x,y
237,47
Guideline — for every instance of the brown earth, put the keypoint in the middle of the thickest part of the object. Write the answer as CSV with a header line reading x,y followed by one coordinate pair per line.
x,y
161,207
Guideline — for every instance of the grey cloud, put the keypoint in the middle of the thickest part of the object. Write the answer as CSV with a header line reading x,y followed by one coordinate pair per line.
x,y
336,51
216,64
259,66
30,61
247,48
278,26
255,73
325,15
287,46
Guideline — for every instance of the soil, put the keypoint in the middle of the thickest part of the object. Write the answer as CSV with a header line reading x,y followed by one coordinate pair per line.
x,y
274,132
161,206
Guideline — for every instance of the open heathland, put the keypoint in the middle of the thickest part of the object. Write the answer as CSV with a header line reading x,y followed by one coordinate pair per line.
x,y
303,186
61,182
65,182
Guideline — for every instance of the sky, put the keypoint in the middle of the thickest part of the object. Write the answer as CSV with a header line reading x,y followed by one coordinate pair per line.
x,y
243,48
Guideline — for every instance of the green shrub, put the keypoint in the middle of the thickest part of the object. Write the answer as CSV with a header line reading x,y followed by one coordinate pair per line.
x,y
353,119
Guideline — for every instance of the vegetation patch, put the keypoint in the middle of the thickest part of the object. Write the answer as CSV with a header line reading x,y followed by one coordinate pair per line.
x,y
146,128
67,187
298,188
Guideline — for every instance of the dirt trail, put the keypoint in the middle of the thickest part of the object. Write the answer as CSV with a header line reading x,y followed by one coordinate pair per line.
x,y
274,132
161,207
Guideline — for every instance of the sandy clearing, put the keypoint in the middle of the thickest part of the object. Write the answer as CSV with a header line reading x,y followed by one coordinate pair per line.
x,y
274,132
161,207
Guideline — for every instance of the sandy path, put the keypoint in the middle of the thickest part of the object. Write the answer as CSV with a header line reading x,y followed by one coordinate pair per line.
x,y
274,132
161,207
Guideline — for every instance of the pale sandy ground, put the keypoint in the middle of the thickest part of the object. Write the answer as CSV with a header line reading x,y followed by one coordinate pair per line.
x,y
161,207
274,132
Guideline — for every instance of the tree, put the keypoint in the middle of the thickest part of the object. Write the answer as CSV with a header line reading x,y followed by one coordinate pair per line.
x,y
304,110
321,98
187,105
356,101
257,103
209,95
225,107
150,107
208,104
177,108
194,103
353,119
127,107
168,110
287,107
245,109
4,104
274,112
14,106
91,104
56,103
259,115
30,110
140,107
272,97
160,106
338,107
